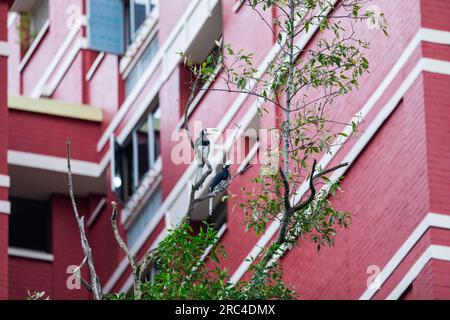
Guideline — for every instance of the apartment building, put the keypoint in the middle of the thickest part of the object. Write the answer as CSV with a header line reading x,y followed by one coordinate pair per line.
x,y
107,75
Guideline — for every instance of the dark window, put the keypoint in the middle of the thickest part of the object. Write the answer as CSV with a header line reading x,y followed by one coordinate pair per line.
x,y
136,11
137,155
125,169
30,224
142,139
140,12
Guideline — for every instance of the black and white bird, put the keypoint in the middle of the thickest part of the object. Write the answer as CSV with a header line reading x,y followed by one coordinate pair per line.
x,y
219,182
202,147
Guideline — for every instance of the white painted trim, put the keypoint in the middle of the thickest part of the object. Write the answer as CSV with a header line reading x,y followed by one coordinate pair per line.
x,y
4,49
50,88
30,254
52,163
238,5
98,208
34,45
435,36
435,220
437,252
425,64
5,181
5,207
95,66
55,62
12,16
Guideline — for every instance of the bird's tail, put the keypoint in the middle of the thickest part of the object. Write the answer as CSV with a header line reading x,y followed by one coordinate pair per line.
x,y
199,173
210,205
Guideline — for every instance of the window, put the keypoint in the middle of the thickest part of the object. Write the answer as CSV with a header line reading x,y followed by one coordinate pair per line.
x,y
136,11
144,217
137,155
31,23
141,65
30,224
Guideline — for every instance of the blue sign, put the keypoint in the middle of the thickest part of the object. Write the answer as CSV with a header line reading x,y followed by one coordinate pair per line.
x,y
106,26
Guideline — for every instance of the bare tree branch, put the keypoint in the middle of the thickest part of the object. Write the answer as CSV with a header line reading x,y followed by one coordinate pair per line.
x,y
95,283
134,266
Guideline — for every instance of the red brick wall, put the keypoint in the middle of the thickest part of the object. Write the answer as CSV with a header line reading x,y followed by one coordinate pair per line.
x,y
441,279
29,275
107,254
66,246
433,282
437,113
44,134
422,286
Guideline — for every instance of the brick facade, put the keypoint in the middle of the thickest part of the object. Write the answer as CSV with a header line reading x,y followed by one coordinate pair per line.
x,y
399,177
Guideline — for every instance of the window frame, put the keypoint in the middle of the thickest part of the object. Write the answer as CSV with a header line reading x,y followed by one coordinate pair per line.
x,y
131,16
117,152
35,37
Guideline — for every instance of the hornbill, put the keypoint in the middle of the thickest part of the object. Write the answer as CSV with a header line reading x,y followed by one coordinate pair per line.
x,y
202,147
218,183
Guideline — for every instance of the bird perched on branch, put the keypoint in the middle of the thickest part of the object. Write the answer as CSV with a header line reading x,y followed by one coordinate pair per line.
x,y
219,182
202,148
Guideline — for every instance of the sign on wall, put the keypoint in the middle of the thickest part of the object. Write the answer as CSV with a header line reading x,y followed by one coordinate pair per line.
x,y
105,26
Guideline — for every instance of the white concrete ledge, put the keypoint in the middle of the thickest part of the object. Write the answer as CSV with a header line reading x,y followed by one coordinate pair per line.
x,y
52,163
4,51
5,181
5,207
30,254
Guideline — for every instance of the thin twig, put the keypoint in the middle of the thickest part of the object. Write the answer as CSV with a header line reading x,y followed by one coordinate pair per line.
x,y
95,283
130,256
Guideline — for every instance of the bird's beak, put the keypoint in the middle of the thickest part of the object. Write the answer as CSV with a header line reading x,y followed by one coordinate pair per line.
x,y
212,131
